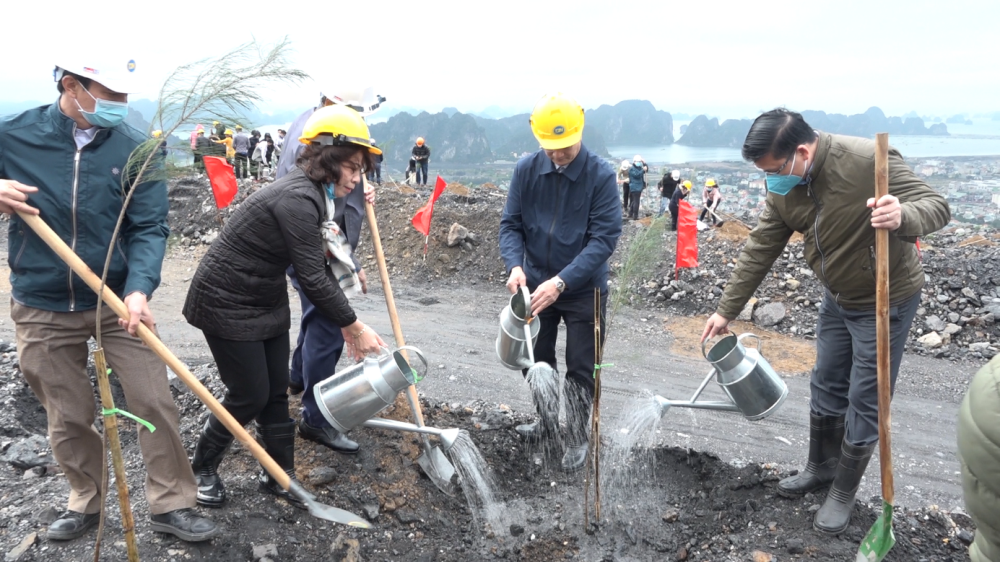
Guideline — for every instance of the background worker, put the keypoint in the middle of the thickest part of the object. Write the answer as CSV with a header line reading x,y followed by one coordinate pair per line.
x,y
241,152
667,185
239,299
636,182
680,193
321,340
56,162
623,182
568,198
219,129
822,185
227,146
203,147
375,174
711,196
421,153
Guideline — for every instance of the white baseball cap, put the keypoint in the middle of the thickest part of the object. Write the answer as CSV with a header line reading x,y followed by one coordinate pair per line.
x,y
116,73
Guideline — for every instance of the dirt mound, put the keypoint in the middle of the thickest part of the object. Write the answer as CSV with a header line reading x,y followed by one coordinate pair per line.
x,y
692,507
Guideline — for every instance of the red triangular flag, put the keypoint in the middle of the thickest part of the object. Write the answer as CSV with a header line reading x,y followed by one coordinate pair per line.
x,y
687,236
222,178
422,219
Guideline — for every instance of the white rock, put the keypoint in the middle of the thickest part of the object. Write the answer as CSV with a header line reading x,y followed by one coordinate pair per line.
x,y
931,340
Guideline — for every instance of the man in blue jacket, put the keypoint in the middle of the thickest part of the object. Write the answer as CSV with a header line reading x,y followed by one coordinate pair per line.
x,y
65,161
559,227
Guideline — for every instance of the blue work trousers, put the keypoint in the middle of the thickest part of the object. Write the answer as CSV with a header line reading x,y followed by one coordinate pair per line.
x,y
317,352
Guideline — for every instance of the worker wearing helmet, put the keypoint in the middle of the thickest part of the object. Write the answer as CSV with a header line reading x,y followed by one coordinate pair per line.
x,y
321,342
681,192
667,185
227,141
623,181
420,154
219,128
239,298
566,197
710,199
66,162
241,152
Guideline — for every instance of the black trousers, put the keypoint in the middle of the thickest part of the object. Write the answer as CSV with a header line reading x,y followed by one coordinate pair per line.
x,y
256,377
242,164
422,172
673,216
633,204
578,314
625,196
703,217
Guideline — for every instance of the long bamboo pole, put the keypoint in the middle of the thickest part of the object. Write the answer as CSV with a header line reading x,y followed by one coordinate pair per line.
x,y
114,443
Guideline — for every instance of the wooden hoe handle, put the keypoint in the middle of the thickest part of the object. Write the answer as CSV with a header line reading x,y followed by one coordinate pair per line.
x,y
149,338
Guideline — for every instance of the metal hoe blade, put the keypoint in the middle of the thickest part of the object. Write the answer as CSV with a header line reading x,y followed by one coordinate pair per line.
x,y
328,512
433,462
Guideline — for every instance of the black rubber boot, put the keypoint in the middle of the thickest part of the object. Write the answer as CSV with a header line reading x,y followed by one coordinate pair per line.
x,y
835,515
826,433
578,405
329,437
279,442
208,453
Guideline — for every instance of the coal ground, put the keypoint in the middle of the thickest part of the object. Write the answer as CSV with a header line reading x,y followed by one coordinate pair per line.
x,y
697,506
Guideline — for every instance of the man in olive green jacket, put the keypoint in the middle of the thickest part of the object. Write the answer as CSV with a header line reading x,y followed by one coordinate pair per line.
x,y
979,453
822,185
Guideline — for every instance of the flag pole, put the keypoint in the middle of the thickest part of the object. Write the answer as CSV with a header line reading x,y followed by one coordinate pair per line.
x,y
426,239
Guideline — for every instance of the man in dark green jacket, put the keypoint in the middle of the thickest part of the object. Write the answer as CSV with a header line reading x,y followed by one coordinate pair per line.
x,y
979,453
66,162
822,185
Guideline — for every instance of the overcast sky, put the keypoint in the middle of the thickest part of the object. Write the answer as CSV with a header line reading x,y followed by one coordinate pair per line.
x,y
725,58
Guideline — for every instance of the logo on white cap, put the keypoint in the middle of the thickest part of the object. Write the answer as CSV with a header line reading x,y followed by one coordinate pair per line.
x,y
131,65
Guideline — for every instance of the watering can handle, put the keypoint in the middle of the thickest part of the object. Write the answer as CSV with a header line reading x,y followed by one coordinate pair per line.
x,y
420,355
749,335
526,295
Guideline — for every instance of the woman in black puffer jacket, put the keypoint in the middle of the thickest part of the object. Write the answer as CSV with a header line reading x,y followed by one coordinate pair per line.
x,y
239,295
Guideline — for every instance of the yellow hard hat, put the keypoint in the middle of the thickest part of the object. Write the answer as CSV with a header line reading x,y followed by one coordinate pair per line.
x,y
157,134
215,122
686,184
337,125
229,131
557,121
710,182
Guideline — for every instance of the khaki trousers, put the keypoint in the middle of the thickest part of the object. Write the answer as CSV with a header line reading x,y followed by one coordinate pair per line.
x,y
52,348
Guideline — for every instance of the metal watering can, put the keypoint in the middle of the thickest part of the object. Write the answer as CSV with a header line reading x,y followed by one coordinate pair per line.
x,y
753,387
512,341
353,396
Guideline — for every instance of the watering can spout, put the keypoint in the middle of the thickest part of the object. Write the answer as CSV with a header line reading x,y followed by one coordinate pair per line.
x,y
662,403
448,438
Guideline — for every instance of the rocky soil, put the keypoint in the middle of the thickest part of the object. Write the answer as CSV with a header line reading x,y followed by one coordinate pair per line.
x,y
690,506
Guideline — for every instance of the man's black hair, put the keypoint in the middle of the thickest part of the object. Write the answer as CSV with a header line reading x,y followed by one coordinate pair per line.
x,y
85,82
776,133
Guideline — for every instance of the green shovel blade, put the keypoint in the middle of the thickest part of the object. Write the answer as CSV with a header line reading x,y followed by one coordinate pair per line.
x,y
880,538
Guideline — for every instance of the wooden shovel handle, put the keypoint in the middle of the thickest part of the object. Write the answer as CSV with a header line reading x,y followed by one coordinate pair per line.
x,y
390,302
882,321
149,338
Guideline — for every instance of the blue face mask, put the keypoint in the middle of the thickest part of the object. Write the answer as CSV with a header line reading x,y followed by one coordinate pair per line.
x,y
781,185
106,113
